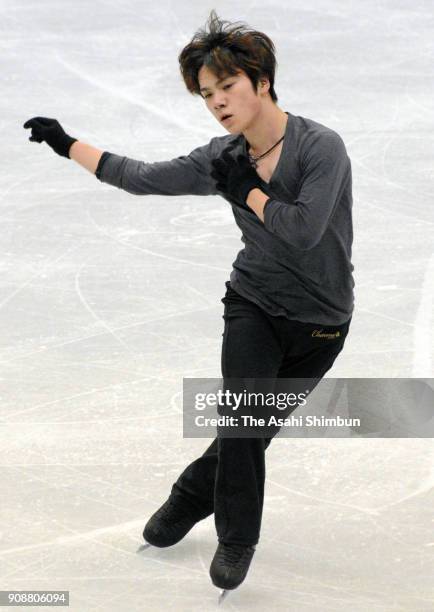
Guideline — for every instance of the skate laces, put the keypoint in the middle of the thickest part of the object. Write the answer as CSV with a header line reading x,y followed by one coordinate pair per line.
x,y
172,512
234,553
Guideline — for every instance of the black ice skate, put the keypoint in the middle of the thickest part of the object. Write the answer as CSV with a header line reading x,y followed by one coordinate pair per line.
x,y
168,525
230,565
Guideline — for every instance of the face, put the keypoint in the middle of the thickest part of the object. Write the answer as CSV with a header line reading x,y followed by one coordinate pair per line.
x,y
232,95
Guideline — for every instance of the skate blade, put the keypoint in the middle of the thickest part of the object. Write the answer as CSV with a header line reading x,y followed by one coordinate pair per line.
x,y
223,595
143,547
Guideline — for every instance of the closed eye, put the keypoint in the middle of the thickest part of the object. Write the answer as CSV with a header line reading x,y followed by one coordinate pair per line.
x,y
225,87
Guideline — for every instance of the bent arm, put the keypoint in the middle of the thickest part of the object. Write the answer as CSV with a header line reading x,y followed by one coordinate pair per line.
x,y
326,172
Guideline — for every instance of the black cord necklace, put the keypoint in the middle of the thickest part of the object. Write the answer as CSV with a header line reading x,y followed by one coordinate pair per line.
x,y
254,160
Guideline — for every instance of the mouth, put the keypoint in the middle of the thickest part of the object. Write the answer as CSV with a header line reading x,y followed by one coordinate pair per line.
x,y
226,118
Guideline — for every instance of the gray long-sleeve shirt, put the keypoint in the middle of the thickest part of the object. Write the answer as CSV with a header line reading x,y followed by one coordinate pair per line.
x,y
298,262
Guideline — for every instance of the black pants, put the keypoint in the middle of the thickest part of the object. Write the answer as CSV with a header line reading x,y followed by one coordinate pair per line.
x,y
228,479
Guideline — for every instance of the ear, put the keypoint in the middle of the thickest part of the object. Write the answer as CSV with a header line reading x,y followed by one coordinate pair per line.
x,y
264,84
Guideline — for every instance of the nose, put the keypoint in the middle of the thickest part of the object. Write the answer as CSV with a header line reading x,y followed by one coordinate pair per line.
x,y
219,101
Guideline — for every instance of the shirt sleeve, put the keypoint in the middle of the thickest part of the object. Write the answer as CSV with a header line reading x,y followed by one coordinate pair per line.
x,y
326,169
184,175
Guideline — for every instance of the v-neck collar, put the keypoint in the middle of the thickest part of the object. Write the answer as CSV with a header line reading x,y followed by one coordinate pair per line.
x,y
282,152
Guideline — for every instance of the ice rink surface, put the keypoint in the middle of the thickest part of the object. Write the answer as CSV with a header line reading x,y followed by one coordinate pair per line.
x,y
108,300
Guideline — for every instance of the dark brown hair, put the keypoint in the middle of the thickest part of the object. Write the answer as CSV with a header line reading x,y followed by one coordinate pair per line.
x,y
226,50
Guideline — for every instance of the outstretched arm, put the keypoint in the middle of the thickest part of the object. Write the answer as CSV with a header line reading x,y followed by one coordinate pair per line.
x,y
85,155
183,175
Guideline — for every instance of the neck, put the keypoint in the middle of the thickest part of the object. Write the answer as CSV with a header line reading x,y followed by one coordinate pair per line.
x,y
267,128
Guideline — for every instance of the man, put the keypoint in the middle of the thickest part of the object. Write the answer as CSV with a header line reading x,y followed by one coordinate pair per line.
x,y
289,301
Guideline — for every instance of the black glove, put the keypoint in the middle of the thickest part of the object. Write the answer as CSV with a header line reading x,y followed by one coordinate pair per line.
x,y
235,178
52,132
